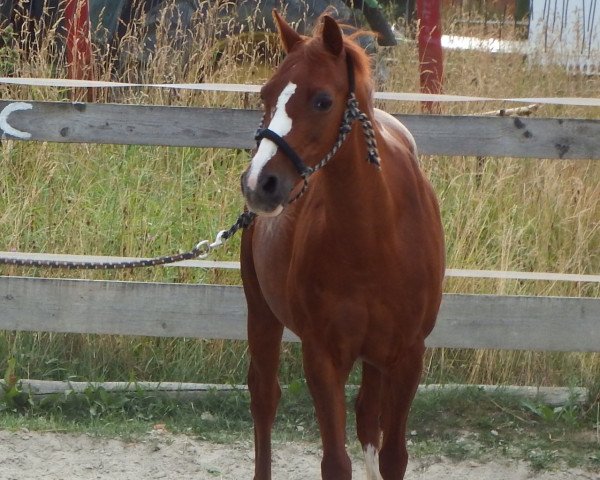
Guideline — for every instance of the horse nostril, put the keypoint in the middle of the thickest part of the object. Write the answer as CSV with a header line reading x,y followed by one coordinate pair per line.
x,y
269,184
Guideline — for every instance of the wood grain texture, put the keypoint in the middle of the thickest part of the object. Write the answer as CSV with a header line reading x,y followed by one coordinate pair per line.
x,y
209,311
235,128
518,323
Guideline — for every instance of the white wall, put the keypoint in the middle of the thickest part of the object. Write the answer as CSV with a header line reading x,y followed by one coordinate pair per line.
x,y
566,32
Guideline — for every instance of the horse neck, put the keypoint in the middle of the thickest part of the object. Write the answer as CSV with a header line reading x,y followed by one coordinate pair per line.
x,y
354,190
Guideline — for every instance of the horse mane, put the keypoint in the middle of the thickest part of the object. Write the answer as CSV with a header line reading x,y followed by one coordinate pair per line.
x,y
362,62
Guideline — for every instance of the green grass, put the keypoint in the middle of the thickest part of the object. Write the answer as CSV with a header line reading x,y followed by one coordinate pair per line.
x,y
459,424
471,424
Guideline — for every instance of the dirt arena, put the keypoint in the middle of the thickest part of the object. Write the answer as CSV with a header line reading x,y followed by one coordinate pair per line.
x,y
55,456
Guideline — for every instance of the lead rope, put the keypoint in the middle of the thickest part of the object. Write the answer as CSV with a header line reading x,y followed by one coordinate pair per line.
x,y
201,250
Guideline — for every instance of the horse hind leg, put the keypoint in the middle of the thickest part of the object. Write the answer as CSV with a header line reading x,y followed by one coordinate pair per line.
x,y
368,411
398,390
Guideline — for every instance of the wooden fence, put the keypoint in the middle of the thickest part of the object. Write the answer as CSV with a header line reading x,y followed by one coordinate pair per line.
x,y
156,309
234,128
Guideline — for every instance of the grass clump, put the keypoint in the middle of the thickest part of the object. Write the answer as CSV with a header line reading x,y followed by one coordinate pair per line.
x,y
473,424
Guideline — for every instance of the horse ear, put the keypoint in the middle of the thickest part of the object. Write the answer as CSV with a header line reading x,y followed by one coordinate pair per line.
x,y
332,35
289,36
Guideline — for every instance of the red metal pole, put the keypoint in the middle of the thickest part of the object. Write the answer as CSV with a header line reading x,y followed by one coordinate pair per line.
x,y
430,50
78,44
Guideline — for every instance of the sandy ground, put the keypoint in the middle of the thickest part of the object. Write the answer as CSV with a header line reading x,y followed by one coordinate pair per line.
x,y
31,455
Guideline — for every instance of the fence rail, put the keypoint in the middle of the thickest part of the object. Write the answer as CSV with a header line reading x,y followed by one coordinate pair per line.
x,y
231,265
235,128
131,308
211,311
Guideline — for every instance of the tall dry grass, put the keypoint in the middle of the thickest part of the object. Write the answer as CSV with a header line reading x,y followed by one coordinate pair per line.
x,y
499,213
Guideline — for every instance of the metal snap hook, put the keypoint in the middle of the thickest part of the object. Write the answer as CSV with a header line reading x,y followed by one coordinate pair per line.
x,y
218,240
203,249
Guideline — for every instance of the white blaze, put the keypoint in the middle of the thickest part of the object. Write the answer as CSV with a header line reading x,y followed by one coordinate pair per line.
x,y
372,463
281,124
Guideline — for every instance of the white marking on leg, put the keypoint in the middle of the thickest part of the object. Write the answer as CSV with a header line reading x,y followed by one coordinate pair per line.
x,y
6,111
281,124
372,463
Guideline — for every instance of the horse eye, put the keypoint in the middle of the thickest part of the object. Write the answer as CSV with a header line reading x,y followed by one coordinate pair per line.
x,y
322,102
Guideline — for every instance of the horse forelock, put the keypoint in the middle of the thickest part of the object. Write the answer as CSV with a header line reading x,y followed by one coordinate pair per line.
x,y
315,53
362,63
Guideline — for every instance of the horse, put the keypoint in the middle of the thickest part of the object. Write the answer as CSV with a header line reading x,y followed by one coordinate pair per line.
x,y
346,250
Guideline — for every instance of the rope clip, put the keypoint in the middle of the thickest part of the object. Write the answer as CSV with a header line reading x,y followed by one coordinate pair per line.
x,y
218,240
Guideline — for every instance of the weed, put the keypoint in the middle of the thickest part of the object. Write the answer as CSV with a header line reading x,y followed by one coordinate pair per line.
x,y
541,459
12,397
8,55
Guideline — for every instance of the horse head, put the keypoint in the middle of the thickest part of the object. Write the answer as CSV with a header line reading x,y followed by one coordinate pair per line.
x,y
305,104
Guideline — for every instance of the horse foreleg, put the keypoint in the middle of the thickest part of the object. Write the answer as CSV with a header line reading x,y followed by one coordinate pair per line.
x,y
368,410
264,341
326,379
398,390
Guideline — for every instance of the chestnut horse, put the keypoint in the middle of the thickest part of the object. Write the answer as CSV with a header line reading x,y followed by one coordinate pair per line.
x,y
352,262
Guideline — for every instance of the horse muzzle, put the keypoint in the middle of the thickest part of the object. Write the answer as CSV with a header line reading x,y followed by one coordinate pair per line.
x,y
270,194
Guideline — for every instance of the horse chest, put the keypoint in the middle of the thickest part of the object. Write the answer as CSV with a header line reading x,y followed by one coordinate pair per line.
x,y
312,279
